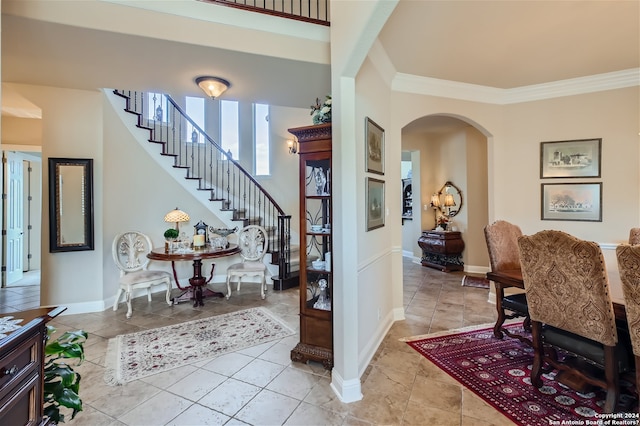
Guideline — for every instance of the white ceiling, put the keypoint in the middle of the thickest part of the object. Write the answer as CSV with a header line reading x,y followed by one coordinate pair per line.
x,y
508,44
500,44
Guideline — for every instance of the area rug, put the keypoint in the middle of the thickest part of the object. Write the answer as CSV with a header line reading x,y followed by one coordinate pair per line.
x,y
471,281
498,372
137,355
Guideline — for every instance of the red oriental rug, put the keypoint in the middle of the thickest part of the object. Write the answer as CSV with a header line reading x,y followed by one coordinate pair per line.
x,y
498,372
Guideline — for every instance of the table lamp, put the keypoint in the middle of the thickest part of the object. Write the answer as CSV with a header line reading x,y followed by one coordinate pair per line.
x,y
176,215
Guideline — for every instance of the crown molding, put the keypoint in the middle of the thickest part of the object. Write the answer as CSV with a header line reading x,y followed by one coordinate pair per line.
x,y
472,92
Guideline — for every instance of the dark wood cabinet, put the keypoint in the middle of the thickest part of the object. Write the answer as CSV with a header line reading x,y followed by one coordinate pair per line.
x,y
22,367
316,282
442,250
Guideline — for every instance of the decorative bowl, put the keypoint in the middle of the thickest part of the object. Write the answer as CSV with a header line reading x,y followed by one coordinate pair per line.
x,y
316,228
222,232
317,264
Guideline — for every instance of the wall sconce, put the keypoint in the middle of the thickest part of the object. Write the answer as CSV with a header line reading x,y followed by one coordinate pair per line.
x,y
293,146
212,86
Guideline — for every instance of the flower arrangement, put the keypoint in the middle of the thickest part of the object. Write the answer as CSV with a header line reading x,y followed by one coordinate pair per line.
x,y
321,113
443,221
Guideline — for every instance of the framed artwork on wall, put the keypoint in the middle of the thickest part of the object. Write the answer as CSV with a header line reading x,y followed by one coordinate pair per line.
x,y
570,159
375,203
572,201
374,149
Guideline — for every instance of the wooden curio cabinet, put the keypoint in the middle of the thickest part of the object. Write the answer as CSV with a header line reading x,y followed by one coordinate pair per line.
x,y
316,281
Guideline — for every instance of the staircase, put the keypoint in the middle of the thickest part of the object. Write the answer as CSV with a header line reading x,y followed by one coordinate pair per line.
x,y
230,188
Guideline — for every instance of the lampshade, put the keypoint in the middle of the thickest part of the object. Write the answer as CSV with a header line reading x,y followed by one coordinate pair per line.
x,y
435,200
449,201
212,86
176,215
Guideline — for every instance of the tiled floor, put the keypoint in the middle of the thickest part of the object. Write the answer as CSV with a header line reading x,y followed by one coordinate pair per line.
x,y
260,385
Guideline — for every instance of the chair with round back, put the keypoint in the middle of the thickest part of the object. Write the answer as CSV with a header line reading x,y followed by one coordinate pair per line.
x,y
254,242
634,236
129,250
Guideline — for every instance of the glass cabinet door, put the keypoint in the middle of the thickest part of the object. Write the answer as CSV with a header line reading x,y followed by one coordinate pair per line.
x,y
318,233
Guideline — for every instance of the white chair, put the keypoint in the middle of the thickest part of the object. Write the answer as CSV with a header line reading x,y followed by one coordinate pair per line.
x,y
129,252
254,243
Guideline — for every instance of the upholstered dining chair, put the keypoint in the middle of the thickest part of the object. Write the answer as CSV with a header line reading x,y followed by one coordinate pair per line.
x,y
129,251
254,242
629,267
570,307
502,243
634,236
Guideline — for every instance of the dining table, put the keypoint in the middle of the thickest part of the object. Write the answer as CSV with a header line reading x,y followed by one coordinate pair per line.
x,y
196,290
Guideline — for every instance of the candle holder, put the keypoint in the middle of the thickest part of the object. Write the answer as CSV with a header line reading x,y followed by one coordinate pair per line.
x,y
200,237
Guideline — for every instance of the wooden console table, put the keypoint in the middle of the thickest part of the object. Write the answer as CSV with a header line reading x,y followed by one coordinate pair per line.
x,y
442,250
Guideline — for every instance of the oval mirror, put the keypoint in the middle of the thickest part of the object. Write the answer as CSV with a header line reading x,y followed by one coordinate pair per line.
x,y
450,198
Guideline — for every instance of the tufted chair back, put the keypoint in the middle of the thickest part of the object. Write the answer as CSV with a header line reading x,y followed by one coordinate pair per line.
x,y
502,244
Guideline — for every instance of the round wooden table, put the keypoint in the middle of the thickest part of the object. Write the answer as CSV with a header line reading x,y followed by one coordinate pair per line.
x,y
197,281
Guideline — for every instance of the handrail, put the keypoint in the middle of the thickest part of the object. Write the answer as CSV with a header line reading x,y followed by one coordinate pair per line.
x,y
283,8
215,170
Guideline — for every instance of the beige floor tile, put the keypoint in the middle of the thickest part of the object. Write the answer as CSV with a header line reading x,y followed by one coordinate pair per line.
x,y
200,416
268,408
157,410
230,396
311,415
228,364
418,415
197,384
259,372
293,383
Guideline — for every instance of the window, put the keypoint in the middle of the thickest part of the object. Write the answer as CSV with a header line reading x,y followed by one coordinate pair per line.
x,y
229,131
195,110
157,107
261,138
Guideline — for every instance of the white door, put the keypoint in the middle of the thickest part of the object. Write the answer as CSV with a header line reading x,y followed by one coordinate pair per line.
x,y
13,217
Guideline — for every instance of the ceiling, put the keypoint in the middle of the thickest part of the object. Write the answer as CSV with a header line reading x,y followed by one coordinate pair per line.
x,y
508,44
500,44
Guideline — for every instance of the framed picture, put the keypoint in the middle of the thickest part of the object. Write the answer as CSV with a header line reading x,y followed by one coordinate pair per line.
x,y
375,203
569,159
375,147
572,201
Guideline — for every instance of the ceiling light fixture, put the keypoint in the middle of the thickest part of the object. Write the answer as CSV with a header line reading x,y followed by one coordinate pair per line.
x,y
212,86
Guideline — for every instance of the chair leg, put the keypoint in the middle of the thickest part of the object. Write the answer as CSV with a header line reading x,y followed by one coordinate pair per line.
x,y
611,374
228,286
115,303
149,294
129,309
168,295
538,354
263,286
239,281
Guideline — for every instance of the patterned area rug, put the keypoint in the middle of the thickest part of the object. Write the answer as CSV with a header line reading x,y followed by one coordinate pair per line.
x,y
137,355
471,281
498,372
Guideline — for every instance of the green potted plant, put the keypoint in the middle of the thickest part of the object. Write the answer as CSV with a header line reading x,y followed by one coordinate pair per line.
x,y
170,235
61,382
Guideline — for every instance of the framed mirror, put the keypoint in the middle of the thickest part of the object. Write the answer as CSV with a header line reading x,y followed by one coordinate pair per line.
x,y
450,198
70,204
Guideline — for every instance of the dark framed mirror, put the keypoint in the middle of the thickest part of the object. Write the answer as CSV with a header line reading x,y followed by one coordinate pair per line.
x,y
70,204
450,199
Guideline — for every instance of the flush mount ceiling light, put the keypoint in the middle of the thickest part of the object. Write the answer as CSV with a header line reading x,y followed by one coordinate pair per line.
x,y
212,86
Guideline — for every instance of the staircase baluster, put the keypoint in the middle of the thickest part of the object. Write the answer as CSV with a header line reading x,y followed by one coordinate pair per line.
x,y
203,159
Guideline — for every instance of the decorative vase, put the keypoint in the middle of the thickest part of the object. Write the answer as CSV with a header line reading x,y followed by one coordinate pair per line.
x,y
321,120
